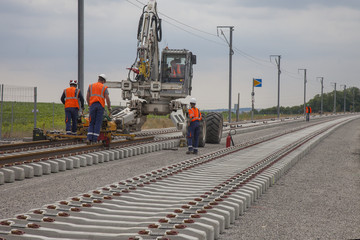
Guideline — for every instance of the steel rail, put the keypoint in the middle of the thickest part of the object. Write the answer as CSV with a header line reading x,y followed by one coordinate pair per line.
x,y
68,140
173,202
28,146
64,152
16,147
20,158
214,196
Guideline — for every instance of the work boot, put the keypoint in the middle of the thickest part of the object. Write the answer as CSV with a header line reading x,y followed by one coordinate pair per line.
x,y
189,152
195,152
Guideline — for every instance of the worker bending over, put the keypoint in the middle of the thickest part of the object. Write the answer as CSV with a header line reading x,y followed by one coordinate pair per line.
x,y
308,111
71,97
96,95
193,127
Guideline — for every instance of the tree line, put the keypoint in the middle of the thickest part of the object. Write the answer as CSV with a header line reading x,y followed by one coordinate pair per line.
x,y
352,95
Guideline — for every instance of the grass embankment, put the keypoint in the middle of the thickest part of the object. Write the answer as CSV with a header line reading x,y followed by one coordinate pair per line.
x,y
157,122
18,119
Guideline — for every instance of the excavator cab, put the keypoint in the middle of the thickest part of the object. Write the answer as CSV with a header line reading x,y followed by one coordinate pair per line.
x,y
176,72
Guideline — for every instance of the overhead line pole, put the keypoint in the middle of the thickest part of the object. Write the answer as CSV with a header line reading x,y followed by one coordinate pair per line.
x,y
252,101
353,108
231,52
344,97
1,107
304,69
334,98
81,45
322,90
279,72
238,108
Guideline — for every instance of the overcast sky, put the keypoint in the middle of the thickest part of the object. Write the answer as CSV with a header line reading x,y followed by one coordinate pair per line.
x,y
39,45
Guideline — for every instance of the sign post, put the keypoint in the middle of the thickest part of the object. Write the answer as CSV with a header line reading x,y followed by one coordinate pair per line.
x,y
256,83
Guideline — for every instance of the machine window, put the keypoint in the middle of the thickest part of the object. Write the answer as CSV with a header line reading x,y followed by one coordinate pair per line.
x,y
174,69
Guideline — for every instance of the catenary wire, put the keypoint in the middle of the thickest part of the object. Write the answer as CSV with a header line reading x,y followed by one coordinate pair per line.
x,y
258,61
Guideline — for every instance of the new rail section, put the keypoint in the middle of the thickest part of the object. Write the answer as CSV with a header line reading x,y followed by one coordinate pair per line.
x,y
44,157
195,199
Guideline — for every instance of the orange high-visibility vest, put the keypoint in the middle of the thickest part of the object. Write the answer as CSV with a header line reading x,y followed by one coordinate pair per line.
x,y
97,93
308,110
176,71
194,114
72,97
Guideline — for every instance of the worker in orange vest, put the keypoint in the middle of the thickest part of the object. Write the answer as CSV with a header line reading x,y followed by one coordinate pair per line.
x,y
308,111
71,97
96,95
194,118
175,69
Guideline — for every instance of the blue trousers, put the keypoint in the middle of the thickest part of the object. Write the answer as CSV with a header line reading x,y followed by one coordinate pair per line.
x,y
96,117
193,136
71,115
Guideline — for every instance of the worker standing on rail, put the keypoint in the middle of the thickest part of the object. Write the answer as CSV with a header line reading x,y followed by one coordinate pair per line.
x,y
71,97
96,95
193,127
308,111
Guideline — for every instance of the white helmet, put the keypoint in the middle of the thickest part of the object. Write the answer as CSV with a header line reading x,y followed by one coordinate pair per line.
x,y
193,100
73,82
103,76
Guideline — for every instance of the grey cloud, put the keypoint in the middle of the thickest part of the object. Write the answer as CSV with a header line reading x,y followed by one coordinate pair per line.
x,y
281,4
295,4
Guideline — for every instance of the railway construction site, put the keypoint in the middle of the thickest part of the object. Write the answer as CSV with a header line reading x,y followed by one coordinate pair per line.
x,y
106,178
287,179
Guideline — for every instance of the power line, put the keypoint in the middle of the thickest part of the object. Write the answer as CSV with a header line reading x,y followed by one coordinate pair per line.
x,y
194,34
247,56
186,25
291,74
181,28
133,4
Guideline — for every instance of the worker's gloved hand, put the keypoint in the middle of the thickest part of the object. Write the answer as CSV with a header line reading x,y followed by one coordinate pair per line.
x,y
109,108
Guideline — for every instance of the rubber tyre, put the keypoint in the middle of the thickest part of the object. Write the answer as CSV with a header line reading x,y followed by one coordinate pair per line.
x,y
202,134
214,127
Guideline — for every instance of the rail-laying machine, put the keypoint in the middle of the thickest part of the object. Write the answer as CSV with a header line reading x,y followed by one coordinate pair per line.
x,y
154,85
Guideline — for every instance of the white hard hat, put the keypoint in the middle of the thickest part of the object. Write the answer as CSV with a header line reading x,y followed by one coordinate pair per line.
x,y
103,76
193,100
73,82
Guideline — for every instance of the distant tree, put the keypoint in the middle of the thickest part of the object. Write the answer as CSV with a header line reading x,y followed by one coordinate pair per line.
x,y
328,103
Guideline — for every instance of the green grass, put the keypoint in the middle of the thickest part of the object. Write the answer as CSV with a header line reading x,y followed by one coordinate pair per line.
x,y
18,118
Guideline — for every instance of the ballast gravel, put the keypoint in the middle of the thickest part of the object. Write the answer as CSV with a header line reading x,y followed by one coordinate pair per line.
x,y
21,196
318,199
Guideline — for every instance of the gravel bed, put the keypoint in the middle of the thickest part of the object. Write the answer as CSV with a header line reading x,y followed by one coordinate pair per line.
x,y
280,218
21,196
319,198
